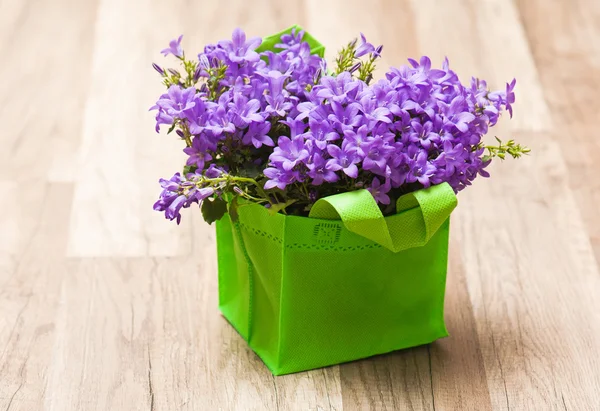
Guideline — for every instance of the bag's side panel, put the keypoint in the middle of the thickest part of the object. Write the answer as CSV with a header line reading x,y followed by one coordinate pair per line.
x,y
345,297
234,287
262,236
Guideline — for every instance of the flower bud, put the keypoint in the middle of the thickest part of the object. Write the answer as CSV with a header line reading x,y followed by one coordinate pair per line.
x,y
174,72
158,68
197,73
355,67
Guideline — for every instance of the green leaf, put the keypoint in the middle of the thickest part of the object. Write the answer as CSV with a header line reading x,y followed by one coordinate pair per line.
x,y
171,128
275,208
233,209
213,210
249,170
189,169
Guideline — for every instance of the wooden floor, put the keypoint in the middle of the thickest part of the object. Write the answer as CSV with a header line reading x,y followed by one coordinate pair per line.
x,y
106,306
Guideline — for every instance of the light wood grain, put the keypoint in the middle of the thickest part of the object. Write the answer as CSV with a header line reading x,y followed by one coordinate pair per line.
x,y
106,306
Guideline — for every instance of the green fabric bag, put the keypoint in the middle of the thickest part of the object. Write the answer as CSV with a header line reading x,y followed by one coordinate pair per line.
x,y
342,284
307,292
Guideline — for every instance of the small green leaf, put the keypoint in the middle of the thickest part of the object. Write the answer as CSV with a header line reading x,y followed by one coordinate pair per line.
x,y
189,169
249,170
171,128
275,208
213,210
233,209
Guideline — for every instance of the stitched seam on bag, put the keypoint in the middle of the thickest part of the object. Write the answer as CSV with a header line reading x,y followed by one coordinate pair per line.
x,y
305,246
279,333
250,278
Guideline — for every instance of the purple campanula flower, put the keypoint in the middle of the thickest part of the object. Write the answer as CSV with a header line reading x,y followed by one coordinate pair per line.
x,y
451,158
321,170
322,133
376,155
337,88
244,110
373,113
288,40
220,121
197,153
424,66
379,191
278,178
239,50
257,135
161,118
196,116
510,96
213,171
423,134
174,48
401,165
343,158
276,99
177,100
358,139
455,114
289,152
364,48
345,118
422,170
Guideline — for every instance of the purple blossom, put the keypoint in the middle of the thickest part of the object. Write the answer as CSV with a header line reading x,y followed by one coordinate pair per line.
x,y
289,152
277,104
423,134
244,110
422,170
278,178
278,112
510,96
345,118
364,47
321,170
337,88
377,152
257,135
379,191
239,50
176,101
197,153
322,133
174,48
344,159
358,140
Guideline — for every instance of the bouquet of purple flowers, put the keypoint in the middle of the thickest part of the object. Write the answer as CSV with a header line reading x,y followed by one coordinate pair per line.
x,y
283,130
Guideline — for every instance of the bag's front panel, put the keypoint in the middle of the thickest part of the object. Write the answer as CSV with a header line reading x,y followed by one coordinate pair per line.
x,y
345,297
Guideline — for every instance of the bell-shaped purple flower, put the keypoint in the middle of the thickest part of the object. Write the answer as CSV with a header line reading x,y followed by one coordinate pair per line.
x,y
343,158
239,50
257,135
321,170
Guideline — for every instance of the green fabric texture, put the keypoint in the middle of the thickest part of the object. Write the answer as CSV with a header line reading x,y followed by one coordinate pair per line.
x,y
342,284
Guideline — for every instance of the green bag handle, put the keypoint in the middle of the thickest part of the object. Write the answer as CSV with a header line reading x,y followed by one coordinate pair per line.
x,y
419,215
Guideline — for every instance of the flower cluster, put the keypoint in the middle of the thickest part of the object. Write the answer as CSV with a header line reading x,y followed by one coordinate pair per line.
x,y
277,128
